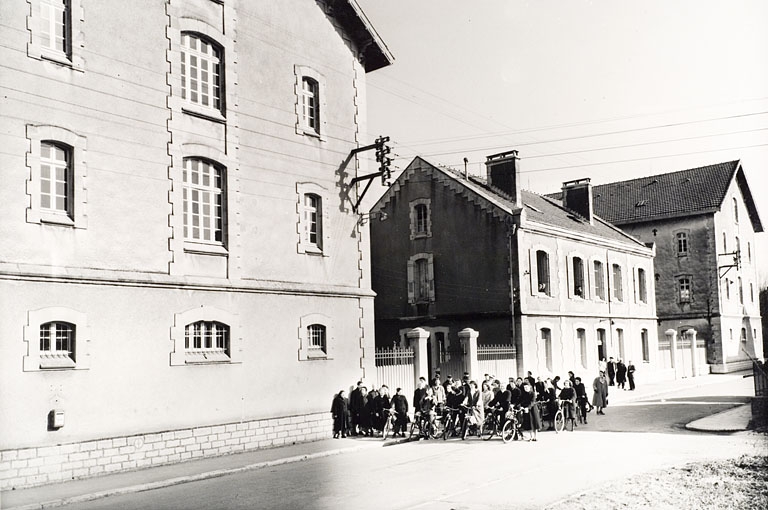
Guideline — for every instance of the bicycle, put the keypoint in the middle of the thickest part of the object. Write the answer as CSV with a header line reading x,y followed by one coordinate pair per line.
x,y
568,410
493,425
426,426
557,420
389,422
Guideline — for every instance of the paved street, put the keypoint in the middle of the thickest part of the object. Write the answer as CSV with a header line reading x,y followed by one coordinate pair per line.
x,y
631,438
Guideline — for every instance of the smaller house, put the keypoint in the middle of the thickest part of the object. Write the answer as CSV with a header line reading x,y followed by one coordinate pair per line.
x,y
558,286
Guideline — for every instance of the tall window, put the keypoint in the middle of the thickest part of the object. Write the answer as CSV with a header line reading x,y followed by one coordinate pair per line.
x,y
204,202
546,338
642,292
682,244
618,289
599,280
421,278
56,178
542,273
581,336
310,104
727,285
751,293
421,213
57,338
620,339
600,344
749,252
735,210
644,343
738,246
578,277
201,76
421,286
725,243
316,337
208,336
743,335
741,292
312,220
54,30
684,289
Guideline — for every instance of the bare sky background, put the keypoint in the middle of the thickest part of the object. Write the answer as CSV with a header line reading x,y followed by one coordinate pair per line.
x,y
601,89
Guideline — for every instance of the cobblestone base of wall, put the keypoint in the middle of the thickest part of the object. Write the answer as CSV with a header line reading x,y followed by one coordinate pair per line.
x,y
28,467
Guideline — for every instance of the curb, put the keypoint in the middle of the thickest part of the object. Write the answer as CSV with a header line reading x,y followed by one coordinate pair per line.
x,y
721,428
131,489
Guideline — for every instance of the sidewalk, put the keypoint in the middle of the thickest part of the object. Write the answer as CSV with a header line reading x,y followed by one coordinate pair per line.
x,y
89,489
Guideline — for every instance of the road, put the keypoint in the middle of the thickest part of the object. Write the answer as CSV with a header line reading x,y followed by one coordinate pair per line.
x,y
474,474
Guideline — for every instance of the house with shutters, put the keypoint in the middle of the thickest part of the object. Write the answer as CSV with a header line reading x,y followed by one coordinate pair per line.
x,y
181,273
703,222
559,285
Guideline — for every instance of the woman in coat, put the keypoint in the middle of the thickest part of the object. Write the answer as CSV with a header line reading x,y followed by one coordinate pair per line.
x,y
600,395
531,415
339,411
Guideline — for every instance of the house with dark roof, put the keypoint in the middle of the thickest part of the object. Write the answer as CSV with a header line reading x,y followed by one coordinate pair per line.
x,y
559,285
703,222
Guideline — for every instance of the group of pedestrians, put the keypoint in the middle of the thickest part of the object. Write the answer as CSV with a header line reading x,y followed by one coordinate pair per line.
x,y
365,412
619,374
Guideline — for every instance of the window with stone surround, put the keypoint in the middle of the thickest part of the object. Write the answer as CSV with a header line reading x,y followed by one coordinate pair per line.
x,y
542,282
578,277
204,335
56,179
56,32
316,337
599,279
310,105
685,289
421,218
681,243
56,338
313,217
421,279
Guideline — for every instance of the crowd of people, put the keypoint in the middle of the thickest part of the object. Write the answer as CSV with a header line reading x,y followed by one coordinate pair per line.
x,y
364,413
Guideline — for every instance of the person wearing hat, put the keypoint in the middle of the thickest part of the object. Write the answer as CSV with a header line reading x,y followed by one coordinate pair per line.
x,y
600,392
448,382
581,398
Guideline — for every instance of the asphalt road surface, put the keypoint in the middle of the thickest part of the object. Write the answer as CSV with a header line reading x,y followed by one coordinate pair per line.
x,y
474,474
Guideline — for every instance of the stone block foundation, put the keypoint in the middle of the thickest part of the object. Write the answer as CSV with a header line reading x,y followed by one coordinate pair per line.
x,y
28,467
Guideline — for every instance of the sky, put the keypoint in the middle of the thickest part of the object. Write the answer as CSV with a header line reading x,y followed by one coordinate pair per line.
x,y
609,90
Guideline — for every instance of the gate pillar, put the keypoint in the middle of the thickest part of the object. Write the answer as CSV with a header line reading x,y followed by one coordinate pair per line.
x,y
671,335
468,337
694,362
417,338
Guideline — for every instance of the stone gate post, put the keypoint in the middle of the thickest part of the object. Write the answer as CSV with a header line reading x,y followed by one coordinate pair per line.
x,y
671,335
694,362
468,337
417,338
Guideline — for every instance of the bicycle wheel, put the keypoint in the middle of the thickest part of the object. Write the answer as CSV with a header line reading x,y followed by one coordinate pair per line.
x,y
433,430
387,429
489,429
508,431
464,428
414,426
559,421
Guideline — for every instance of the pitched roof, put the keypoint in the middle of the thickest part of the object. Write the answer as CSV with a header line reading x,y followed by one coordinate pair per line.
x,y
682,193
538,208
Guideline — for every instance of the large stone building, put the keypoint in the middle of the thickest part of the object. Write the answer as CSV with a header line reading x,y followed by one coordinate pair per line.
x,y
560,286
703,222
181,271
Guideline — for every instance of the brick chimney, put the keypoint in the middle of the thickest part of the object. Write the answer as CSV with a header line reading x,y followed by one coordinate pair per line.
x,y
577,197
503,173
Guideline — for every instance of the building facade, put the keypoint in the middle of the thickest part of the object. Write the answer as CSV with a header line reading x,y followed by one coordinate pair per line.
x,y
703,222
560,286
181,272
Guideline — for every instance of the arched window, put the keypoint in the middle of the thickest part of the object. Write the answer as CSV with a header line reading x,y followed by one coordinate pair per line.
x,y
310,104
209,337
316,338
735,210
56,178
312,220
57,345
204,201
201,71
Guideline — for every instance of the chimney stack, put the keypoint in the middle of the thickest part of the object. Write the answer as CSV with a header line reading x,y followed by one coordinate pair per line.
x,y
577,197
503,173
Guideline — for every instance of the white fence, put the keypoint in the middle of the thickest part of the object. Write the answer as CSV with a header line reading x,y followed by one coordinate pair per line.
x,y
395,368
498,360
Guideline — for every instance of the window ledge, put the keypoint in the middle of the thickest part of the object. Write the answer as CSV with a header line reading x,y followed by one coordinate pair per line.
x,y
56,57
202,112
206,356
56,360
204,248
422,235
56,218
310,132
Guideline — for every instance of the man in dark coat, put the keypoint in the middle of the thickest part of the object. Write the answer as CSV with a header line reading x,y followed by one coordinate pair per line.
x,y
356,406
581,398
418,394
631,376
339,413
611,368
621,374
400,405
503,400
